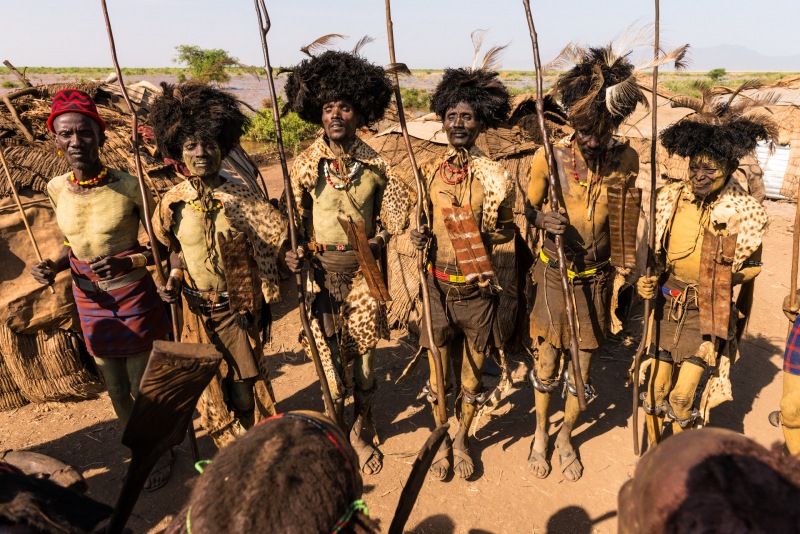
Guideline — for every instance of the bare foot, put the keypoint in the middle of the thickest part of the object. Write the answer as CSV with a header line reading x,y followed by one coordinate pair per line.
x,y
537,459
441,463
462,461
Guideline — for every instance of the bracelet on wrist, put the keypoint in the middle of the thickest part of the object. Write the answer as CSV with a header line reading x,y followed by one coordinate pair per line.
x,y
138,260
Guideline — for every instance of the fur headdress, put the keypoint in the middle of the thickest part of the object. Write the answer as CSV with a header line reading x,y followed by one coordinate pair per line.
x,y
335,75
602,90
195,110
479,87
726,125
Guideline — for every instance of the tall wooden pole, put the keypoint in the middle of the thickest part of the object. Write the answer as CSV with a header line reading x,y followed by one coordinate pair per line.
x,y
162,279
554,191
441,401
22,213
651,238
264,26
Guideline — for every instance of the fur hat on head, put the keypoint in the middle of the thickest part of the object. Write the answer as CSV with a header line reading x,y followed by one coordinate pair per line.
x,y
725,126
601,90
335,75
195,110
480,88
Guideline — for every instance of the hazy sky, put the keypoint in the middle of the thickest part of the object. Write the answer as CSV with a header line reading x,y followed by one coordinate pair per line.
x,y
428,33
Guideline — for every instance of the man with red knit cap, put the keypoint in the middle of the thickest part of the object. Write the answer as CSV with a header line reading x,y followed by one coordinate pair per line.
x,y
99,210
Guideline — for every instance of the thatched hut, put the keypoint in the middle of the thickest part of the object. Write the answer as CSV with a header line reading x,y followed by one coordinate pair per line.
x,y
41,353
513,145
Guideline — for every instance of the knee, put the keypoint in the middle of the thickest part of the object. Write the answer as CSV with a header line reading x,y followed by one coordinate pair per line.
x,y
547,362
681,402
790,409
242,395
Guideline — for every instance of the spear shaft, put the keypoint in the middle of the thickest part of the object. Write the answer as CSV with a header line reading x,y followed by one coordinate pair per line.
x,y
554,191
173,307
441,406
264,26
651,238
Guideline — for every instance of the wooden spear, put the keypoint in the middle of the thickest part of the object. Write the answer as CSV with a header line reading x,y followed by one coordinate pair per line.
x,y
173,307
25,219
554,191
441,405
795,254
264,26
651,239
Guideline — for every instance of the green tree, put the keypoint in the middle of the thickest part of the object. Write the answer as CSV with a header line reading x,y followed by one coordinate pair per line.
x,y
294,130
206,65
716,74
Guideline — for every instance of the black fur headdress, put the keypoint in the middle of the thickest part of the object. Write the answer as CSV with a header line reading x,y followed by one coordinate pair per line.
x,y
726,125
479,87
602,90
335,75
195,110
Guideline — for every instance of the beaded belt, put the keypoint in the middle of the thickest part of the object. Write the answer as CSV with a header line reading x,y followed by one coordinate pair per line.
x,y
441,275
107,285
588,273
322,247
219,302
671,292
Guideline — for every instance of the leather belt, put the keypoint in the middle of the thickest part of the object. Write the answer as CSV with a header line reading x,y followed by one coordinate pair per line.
x,y
441,275
322,247
588,273
109,285
211,300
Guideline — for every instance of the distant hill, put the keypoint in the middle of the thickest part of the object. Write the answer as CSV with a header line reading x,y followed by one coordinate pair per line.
x,y
739,58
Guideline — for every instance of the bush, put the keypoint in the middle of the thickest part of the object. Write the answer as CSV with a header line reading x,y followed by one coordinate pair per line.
x,y
716,74
293,129
206,65
415,98
8,84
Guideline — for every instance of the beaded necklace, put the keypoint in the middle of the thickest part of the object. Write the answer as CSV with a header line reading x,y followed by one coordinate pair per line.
x,y
458,174
596,177
217,205
326,169
91,181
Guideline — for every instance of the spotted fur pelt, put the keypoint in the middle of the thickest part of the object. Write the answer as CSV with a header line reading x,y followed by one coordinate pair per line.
x,y
733,207
246,212
396,198
498,187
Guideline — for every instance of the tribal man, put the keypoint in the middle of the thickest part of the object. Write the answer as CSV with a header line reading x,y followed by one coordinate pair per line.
x,y
345,194
224,241
708,240
465,189
99,210
594,169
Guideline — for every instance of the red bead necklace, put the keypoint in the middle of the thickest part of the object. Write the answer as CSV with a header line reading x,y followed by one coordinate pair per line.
x,y
345,180
596,177
458,174
91,181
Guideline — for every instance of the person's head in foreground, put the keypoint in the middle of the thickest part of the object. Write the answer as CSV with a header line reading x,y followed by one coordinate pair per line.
x,y
711,480
294,472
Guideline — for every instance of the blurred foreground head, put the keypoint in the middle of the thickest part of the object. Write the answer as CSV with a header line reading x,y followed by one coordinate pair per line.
x,y
711,480
295,472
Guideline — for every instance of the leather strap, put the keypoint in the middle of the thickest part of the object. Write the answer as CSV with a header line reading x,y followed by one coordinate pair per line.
x,y
109,285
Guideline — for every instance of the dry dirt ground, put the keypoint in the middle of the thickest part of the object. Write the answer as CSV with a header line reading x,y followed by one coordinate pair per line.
x,y
502,496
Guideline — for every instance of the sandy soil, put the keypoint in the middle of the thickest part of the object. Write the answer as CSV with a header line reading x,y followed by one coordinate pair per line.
x,y
502,496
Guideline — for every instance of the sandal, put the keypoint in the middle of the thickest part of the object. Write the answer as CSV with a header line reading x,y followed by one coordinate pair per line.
x,y
366,453
161,472
565,459
536,458
459,457
442,456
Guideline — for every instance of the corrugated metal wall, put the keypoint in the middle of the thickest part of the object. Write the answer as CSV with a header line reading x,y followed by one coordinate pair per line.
x,y
774,166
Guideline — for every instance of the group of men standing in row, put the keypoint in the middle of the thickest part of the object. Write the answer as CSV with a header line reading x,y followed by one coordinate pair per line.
x,y
224,241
